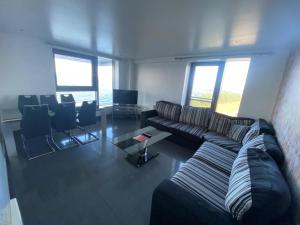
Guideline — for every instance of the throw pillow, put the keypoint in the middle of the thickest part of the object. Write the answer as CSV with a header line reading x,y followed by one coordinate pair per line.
x,y
257,191
237,132
252,133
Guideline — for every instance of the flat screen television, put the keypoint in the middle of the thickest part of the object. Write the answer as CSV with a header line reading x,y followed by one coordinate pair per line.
x,y
125,96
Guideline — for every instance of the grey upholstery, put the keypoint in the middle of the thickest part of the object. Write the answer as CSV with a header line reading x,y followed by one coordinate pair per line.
x,y
223,141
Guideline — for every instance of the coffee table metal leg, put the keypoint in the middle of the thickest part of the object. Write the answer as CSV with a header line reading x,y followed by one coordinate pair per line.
x,y
141,157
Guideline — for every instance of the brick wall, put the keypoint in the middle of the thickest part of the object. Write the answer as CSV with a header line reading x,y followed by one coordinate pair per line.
x,y
286,121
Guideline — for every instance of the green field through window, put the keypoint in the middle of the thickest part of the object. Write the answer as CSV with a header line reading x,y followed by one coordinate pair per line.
x,y
232,87
231,90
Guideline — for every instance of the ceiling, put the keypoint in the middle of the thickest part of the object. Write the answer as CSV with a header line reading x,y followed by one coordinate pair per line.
x,y
155,28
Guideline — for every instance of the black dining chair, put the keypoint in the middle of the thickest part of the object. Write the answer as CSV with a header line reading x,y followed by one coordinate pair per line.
x,y
49,100
26,100
36,123
86,117
67,98
64,120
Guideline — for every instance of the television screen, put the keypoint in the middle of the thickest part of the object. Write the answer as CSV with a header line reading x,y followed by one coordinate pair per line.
x,y
125,96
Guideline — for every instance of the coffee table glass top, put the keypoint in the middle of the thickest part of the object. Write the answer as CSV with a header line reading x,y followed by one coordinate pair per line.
x,y
129,144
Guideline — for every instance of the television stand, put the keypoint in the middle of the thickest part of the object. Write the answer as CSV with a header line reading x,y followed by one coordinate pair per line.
x,y
125,110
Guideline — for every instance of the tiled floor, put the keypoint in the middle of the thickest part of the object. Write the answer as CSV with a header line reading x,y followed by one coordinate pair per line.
x,y
92,184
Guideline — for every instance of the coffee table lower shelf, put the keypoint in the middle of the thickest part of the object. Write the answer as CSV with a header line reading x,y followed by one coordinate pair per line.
x,y
137,147
140,158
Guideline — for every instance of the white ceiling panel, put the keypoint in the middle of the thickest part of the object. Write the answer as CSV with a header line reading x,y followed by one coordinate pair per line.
x,y
155,28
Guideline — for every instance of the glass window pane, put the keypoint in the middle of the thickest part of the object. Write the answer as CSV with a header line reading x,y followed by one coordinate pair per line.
x,y
105,81
79,96
73,71
203,86
232,87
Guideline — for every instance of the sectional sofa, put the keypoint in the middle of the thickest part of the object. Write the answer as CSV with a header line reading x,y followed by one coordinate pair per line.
x,y
234,176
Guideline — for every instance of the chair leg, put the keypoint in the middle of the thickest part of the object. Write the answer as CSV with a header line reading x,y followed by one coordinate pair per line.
x,y
86,133
25,147
93,135
72,138
69,136
35,157
52,143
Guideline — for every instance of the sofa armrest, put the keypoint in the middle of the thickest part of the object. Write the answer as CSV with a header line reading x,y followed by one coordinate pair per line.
x,y
147,114
174,205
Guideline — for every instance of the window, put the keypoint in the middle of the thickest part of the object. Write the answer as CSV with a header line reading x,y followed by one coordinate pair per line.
x,y
218,85
75,74
232,87
73,71
105,81
86,77
202,84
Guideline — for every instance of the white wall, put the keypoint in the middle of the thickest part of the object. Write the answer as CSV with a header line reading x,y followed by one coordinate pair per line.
x,y
165,80
262,85
160,81
26,67
126,72
4,189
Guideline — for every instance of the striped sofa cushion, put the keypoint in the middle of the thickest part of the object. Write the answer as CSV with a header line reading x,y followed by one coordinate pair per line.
x,y
238,132
239,198
204,181
216,156
193,130
251,134
195,116
162,121
219,123
268,144
260,126
222,141
242,121
168,110
257,188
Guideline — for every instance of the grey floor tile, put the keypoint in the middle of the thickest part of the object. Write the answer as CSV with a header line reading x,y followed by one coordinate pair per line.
x,y
92,184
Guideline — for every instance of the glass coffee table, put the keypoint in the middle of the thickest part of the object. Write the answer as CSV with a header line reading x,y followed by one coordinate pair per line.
x,y
136,144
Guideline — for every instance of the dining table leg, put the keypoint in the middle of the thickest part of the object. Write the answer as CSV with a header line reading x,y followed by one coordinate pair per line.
x,y
103,122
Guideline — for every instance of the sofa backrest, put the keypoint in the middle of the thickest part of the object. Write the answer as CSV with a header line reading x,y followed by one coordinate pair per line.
x,y
168,110
195,116
221,123
267,143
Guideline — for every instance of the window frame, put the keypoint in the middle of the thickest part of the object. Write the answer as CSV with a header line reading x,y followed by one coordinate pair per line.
x,y
217,87
94,61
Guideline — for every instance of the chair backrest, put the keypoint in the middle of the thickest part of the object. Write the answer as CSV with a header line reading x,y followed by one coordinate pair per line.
x,y
49,100
67,98
65,117
26,100
87,113
35,121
